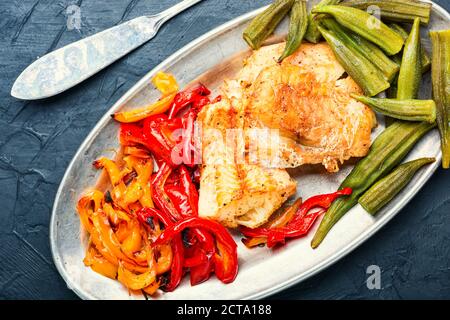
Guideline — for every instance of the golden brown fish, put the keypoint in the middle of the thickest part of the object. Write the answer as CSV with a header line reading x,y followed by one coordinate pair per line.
x,y
306,99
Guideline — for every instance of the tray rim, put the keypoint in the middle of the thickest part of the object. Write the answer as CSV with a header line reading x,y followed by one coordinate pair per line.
x,y
336,256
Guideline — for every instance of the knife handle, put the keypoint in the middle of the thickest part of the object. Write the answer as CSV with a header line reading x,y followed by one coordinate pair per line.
x,y
173,11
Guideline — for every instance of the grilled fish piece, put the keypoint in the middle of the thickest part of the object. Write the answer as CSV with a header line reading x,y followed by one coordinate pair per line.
x,y
307,98
232,191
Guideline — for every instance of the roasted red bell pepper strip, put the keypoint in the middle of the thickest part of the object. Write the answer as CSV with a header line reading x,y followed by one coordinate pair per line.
x,y
176,269
206,243
225,261
159,195
182,192
184,98
131,134
157,131
301,223
196,258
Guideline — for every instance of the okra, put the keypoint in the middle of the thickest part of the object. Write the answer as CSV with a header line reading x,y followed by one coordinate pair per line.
x,y
366,75
263,25
440,74
366,48
297,28
426,61
367,26
382,192
396,10
312,33
388,149
410,110
410,74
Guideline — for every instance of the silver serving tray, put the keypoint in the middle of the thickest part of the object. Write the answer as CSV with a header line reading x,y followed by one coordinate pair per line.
x,y
262,271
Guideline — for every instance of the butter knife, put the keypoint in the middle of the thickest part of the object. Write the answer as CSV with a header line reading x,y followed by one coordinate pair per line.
x,y
66,67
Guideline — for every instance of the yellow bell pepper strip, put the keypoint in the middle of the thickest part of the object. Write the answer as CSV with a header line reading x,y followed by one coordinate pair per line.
x,y
114,173
133,241
136,115
136,281
99,264
166,83
108,237
151,289
137,152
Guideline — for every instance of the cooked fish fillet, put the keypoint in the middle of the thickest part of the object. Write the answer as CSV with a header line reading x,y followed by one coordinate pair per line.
x,y
307,98
231,191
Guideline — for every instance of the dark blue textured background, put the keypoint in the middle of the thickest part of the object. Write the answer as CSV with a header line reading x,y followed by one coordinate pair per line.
x,y
38,139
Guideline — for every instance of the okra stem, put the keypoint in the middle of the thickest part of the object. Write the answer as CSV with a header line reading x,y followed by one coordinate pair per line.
x,y
263,25
366,75
440,74
396,10
388,149
297,28
312,33
410,109
382,192
367,26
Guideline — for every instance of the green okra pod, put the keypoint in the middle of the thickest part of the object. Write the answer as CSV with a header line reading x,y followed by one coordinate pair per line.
x,y
440,74
263,25
382,192
396,10
367,26
375,55
388,149
410,74
312,33
410,109
366,75
425,58
297,28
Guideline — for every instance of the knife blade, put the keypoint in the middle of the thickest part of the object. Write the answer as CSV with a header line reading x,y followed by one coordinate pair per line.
x,y
66,67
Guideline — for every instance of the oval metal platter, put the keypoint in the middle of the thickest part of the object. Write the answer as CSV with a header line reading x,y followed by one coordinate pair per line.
x,y
263,272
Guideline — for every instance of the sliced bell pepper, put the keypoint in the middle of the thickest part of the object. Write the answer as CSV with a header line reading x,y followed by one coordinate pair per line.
x,y
176,270
300,223
165,82
160,197
136,115
225,261
186,98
